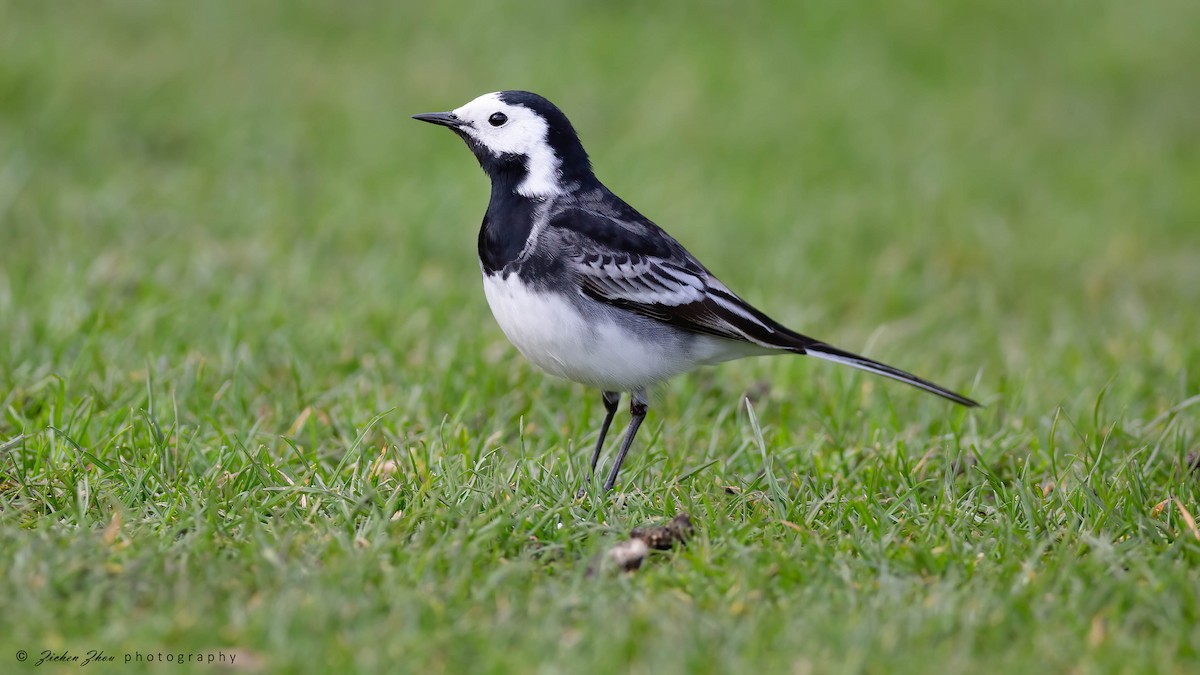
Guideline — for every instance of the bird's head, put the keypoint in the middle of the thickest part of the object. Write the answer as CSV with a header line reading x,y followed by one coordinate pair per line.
x,y
523,142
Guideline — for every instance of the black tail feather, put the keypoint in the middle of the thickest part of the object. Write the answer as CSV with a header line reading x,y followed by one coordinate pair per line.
x,y
831,353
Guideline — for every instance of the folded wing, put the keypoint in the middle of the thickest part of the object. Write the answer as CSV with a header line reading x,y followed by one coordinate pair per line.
x,y
629,262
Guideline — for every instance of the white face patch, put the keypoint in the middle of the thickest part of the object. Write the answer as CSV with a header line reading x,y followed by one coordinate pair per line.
x,y
523,133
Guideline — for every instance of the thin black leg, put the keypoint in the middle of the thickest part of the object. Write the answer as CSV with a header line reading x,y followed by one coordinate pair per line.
x,y
637,409
611,400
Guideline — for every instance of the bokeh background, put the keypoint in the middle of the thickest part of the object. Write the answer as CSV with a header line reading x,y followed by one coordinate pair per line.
x,y
220,229
982,181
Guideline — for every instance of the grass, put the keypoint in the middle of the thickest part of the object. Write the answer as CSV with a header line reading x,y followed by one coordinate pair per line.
x,y
252,401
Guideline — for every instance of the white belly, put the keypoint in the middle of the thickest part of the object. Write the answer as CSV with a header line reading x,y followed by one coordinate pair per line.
x,y
556,337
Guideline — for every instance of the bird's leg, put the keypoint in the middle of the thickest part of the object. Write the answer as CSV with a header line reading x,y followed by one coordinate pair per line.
x,y
611,399
637,409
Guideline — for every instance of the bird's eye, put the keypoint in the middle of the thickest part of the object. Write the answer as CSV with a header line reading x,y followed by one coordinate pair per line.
x,y
497,119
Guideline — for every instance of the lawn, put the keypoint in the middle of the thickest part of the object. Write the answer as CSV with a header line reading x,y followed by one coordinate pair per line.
x,y
253,405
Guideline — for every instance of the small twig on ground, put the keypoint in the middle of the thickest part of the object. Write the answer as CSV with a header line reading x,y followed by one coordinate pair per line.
x,y
628,555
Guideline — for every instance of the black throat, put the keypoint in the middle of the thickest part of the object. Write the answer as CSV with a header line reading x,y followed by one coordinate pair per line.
x,y
508,221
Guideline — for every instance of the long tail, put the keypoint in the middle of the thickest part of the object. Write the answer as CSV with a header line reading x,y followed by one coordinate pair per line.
x,y
831,353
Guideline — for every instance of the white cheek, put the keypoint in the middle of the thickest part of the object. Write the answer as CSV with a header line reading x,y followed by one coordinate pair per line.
x,y
543,179
527,138
525,134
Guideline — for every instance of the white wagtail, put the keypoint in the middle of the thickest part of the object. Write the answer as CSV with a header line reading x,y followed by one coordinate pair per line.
x,y
591,290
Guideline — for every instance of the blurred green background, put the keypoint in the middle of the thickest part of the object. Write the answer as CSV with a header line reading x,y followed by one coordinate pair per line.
x,y
215,216
980,180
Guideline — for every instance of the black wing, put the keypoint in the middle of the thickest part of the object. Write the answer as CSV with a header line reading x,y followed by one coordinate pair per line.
x,y
633,264
623,259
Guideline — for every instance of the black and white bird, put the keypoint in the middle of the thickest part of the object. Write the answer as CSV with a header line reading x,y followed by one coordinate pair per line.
x,y
589,289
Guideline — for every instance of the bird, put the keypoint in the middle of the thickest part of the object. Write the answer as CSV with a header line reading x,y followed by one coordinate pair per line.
x,y
590,290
